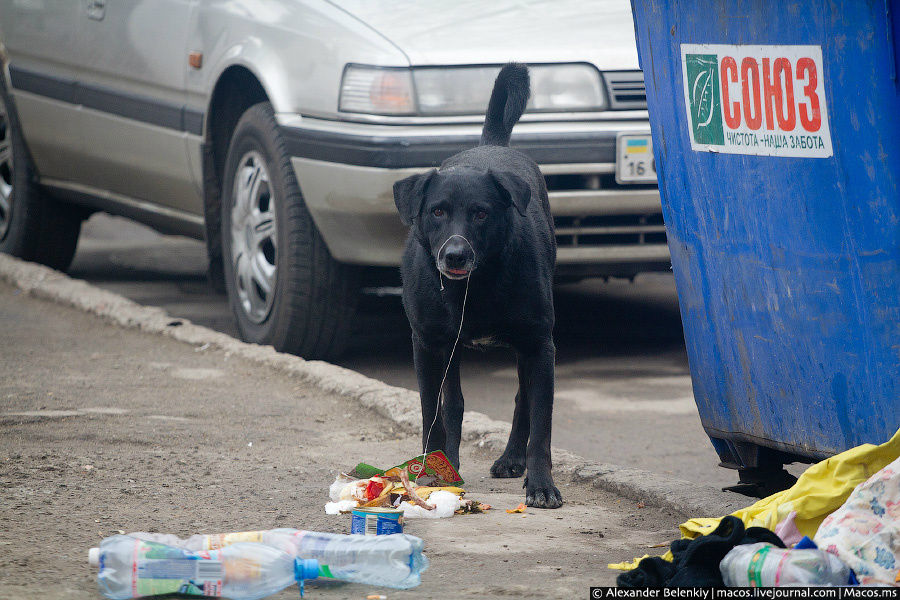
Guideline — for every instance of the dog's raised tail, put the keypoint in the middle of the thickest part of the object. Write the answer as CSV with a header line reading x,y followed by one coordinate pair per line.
x,y
511,91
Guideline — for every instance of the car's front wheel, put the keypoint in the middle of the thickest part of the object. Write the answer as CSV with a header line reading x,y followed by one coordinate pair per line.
x,y
32,226
284,287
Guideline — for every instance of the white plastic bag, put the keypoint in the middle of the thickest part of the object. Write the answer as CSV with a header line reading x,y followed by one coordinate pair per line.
x,y
335,508
445,503
346,487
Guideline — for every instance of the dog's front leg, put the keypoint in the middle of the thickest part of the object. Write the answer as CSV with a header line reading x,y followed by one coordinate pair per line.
x,y
430,364
538,363
452,412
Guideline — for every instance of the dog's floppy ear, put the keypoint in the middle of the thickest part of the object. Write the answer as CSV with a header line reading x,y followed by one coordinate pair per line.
x,y
516,189
409,194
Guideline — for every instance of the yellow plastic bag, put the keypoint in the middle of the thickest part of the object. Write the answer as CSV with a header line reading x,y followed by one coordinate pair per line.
x,y
821,490
628,565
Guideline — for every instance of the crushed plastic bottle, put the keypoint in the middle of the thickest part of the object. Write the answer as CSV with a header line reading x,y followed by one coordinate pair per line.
x,y
387,560
764,565
132,568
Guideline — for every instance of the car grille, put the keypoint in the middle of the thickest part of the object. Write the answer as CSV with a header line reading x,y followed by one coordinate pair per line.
x,y
626,90
615,229
610,230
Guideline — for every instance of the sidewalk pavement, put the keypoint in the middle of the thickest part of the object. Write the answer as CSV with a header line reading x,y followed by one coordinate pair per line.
x,y
106,429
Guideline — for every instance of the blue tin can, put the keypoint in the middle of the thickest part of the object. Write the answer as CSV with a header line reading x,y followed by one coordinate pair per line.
x,y
376,521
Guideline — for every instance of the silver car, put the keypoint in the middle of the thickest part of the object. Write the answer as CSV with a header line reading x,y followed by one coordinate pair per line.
x,y
275,129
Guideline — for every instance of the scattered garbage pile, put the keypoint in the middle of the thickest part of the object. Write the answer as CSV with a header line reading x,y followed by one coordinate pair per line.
x,y
250,565
423,487
838,525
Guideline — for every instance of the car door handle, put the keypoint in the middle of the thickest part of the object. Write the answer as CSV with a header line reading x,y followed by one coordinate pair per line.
x,y
96,9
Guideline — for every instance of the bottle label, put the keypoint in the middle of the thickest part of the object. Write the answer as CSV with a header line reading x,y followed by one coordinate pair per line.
x,y
325,571
218,541
160,569
754,569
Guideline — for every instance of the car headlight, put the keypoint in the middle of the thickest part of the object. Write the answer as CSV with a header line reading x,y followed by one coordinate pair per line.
x,y
377,91
465,90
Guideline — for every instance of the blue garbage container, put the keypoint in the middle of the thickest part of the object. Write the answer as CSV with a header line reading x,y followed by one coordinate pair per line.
x,y
776,131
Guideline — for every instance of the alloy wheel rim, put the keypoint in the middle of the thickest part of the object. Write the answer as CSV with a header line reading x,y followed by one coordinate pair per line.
x,y
253,238
6,170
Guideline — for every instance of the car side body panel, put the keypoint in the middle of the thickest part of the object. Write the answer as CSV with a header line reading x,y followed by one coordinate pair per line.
x,y
135,57
42,40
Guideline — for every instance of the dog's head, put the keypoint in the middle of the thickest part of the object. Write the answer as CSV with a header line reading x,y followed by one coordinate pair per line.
x,y
462,214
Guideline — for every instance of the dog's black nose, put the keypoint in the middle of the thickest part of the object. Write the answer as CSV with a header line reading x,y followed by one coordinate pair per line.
x,y
456,258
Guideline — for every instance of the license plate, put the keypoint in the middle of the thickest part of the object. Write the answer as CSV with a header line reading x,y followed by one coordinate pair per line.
x,y
634,158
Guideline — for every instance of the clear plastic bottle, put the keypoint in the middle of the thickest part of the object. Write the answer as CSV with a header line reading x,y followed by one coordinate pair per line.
x,y
387,560
394,560
131,568
764,565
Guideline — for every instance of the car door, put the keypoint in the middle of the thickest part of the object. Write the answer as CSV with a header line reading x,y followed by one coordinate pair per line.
x,y
131,80
41,39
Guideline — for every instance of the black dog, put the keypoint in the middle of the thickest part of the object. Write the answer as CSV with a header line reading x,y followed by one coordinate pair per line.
x,y
479,264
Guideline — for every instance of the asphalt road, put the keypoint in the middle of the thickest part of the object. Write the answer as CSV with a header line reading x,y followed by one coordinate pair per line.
x,y
623,391
106,430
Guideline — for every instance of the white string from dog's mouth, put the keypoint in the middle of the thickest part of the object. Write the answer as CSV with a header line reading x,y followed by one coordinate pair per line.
x,y
462,318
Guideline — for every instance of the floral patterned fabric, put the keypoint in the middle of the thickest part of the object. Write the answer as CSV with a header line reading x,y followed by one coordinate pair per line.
x,y
865,531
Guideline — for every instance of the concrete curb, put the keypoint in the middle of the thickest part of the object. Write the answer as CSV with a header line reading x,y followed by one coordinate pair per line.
x,y
400,405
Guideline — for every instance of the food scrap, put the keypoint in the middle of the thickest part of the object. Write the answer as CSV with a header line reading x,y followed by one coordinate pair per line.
x,y
408,486
411,491
472,507
520,508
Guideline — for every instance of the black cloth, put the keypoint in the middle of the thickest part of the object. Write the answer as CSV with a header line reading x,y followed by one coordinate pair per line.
x,y
696,562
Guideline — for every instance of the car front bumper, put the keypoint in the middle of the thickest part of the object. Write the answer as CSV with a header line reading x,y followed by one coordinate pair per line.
x,y
346,172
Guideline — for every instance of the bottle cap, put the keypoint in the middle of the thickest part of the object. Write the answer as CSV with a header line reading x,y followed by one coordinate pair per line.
x,y
94,557
306,568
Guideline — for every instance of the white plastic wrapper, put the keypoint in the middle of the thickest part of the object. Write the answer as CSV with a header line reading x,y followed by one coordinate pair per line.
x,y
347,488
335,508
446,503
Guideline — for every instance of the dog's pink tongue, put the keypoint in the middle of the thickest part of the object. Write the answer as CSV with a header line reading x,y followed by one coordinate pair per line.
x,y
458,271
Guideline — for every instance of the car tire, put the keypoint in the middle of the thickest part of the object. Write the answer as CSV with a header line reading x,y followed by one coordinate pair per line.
x,y
33,226
283,286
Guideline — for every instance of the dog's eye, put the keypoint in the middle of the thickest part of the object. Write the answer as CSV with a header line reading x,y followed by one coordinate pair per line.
x,y
481,215
438,212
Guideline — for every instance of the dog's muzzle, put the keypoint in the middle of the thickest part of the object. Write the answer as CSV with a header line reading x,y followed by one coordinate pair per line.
x,y
456,257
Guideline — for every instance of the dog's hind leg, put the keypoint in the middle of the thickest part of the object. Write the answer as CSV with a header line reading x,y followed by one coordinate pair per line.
x,y
452,410
430,365
512,462
538,364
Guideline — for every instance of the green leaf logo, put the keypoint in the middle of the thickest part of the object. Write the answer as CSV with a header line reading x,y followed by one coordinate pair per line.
x,y
702,72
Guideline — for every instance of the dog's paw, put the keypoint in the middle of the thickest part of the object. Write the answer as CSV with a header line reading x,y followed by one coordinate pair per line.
x,y
542,494
505,467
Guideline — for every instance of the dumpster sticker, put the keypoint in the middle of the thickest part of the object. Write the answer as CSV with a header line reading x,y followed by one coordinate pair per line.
x,y
764,100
